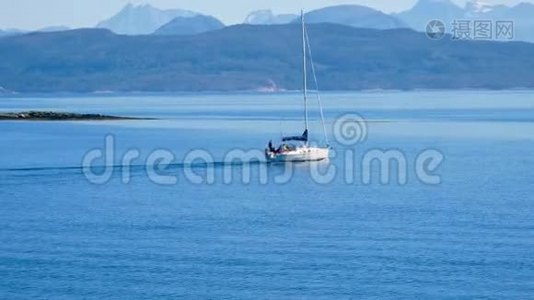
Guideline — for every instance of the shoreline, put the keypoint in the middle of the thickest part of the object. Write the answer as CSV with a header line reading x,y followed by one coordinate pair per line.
x,y
242,92
61,116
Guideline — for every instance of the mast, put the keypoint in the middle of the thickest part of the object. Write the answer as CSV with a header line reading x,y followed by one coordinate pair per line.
x,y
305,92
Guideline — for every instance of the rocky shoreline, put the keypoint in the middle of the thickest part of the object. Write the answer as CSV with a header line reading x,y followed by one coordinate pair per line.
x,y
59,116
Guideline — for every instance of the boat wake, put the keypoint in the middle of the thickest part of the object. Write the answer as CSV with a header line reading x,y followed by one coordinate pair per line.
x,y
143,167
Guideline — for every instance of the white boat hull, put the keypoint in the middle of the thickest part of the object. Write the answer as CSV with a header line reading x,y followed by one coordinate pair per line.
x,y
299,155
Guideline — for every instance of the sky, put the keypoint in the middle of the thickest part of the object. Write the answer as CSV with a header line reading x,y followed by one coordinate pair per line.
x,y
37,14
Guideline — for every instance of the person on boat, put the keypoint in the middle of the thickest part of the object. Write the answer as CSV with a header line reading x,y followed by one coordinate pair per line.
x,y
271,147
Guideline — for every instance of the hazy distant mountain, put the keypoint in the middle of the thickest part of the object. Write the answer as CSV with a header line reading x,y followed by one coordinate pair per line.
x,y
245,57
474,8
427,10
521,11
10,32
355,16
143,19
522,15
190,25
3,33
54,29
445,10
266,17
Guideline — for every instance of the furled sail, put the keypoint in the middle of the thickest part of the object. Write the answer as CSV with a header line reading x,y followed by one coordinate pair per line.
x,y
302,138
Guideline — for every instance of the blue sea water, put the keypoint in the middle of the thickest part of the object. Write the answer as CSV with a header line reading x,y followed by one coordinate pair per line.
x,y
471,236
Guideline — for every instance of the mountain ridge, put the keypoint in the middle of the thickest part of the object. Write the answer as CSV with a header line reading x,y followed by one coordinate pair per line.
x,y
353,15
141,19
190,25
267,17
146,19
252,57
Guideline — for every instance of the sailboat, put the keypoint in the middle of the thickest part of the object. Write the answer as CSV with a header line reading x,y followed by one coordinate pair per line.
x,y
298,148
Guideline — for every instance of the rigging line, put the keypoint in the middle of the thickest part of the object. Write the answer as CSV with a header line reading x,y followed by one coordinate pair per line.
x,y
305,86
316,86
281,129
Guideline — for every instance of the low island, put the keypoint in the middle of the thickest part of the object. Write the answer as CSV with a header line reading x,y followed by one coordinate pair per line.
x,y
60,116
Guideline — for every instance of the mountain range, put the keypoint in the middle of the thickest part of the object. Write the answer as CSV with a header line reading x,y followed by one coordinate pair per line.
x,y
146,19
248,57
